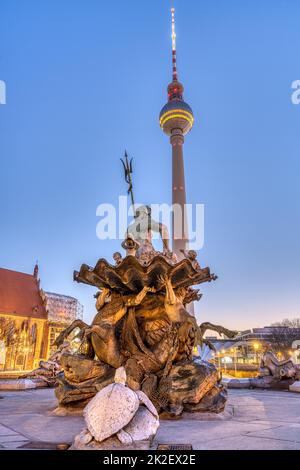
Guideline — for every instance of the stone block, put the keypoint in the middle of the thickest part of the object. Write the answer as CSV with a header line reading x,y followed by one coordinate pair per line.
x,y
295,387
237,383
21,384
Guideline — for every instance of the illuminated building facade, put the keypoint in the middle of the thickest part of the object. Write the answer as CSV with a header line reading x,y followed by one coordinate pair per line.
x,y
30,320
23,319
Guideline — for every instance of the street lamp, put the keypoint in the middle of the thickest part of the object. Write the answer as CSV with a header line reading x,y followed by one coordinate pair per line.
x,y
219,364
223,351
256,348
233,350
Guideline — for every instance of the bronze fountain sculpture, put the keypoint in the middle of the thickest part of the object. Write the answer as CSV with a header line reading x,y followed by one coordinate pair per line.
x,y
142,324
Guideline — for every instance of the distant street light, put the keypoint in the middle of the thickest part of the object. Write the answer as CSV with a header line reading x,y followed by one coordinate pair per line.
x,y
233,350
219,363
256,348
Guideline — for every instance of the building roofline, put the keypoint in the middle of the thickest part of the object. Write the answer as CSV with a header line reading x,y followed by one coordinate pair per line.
x,y
16,272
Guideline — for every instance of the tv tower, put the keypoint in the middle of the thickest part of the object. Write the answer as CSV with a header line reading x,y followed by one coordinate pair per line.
x,y
176,119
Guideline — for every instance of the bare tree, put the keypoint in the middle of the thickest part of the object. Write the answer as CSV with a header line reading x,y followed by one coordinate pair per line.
x,y
284,333
291,323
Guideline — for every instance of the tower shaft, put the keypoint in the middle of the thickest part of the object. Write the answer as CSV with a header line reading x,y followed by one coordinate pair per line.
x,y
179,219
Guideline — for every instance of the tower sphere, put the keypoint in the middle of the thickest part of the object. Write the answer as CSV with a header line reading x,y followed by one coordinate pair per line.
x,y
176,114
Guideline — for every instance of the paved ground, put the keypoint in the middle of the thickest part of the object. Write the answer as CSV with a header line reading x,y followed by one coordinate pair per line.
x,y
255,419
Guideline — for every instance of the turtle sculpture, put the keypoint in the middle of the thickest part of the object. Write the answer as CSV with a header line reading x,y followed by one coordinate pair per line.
x,y
119,412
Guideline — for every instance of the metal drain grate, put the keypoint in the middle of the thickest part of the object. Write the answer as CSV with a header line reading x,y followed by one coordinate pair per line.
x,y
38,445
174,447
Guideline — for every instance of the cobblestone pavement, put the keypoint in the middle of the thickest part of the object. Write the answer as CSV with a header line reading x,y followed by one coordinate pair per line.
x,y
255,419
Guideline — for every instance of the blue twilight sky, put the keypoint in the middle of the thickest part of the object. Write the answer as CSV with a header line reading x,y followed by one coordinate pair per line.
x,y
85,79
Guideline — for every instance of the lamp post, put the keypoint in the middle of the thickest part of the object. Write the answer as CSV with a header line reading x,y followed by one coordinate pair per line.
x,y
223,352
233,350
219,364
256,348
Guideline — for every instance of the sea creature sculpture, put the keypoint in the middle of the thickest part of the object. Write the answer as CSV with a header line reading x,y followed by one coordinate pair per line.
x,y
120,412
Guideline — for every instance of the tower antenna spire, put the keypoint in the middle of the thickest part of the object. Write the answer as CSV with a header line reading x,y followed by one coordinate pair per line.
x,y
174,54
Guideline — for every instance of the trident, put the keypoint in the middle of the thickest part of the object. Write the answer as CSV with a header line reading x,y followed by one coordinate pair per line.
x,y
127,173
